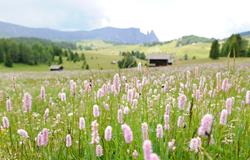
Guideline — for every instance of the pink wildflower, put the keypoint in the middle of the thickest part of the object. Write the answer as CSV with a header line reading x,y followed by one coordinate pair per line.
x,y
45,134
46,114
116,84
42,93
195,144
229,104
154,156
218,81
108,133
180,122
206,125
147,149
8,105
96,111
68,140
23,133
94,135
223,117
81,123
248,97
159,131
63,96
72,84
171,145
144,128
166,121
5,122
135,154
99,150
181,101
128,134
27,102
39,139
225,85
120,116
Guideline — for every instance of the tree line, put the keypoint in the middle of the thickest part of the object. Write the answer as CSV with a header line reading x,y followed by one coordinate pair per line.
x,y
74,57
137,54
30,51
234,46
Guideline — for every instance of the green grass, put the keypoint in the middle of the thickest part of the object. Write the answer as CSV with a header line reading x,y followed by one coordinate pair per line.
x,y
24,67
231,141
199,50
104,53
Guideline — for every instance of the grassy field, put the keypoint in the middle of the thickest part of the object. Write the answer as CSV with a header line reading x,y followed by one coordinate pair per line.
x,y
199,50
187,111
95,61
103,54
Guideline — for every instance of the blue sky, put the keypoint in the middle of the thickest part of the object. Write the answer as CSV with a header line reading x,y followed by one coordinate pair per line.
x,y
168,18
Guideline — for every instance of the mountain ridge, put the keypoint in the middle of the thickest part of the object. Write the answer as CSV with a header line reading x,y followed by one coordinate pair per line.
x,y
118,35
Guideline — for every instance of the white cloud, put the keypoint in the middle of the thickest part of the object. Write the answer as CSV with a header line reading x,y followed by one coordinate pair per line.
x,y
168,18
58,14
175,18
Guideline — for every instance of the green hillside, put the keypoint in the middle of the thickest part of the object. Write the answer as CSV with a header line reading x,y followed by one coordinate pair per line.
x,y
199,50
192,39
102,55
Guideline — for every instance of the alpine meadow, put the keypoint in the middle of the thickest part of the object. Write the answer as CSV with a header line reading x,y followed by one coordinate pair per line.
x,y
124,80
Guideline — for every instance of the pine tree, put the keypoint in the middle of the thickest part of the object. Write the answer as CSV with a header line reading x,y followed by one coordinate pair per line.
x,y
215,50
60,61
185,57
8,60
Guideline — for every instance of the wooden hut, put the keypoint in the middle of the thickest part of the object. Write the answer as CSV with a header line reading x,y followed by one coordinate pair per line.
x,y
56,68
161,59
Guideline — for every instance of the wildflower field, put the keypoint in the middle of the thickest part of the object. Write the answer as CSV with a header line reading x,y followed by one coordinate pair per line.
x,y
183,112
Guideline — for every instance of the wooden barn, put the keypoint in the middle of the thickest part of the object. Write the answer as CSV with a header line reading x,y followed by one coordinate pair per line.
x,y
56,68
162,59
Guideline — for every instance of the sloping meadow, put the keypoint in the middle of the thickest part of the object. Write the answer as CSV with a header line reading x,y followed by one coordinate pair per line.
x,y
185,112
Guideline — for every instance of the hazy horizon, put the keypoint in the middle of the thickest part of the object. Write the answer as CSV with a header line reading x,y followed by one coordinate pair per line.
x,y
169,19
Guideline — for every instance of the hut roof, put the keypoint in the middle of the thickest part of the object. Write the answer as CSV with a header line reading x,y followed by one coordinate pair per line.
x,y
158,56
56,67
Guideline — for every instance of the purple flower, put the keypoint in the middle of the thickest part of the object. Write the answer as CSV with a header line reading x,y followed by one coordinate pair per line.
x,y
81,123
180,122
96,111
154,156
27,102
166,121
42,93
94,135
248,97
8,105
120,116
171,145
147,149
159,131
5,122
144,128
23,133
108,133
128,134
68,140
182,101
206,125
223,117
195,144
229,104
99,150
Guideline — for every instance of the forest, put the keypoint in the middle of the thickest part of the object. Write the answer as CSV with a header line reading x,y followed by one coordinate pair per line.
x,y
31,51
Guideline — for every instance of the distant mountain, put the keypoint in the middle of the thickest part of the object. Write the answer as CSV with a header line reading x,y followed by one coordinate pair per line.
x,y
245,34
191,39
128,35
